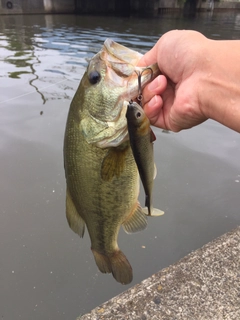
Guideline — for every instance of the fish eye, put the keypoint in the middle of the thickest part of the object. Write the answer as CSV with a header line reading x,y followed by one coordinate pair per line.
x,y
94,77
138,114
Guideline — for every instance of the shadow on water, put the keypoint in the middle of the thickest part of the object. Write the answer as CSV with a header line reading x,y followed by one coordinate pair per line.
x,y
47,272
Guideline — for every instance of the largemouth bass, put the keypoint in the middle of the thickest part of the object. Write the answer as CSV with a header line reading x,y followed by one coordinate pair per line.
x,y
101,173
141,139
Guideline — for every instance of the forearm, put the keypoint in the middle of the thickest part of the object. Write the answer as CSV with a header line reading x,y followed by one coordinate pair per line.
x,y
219,89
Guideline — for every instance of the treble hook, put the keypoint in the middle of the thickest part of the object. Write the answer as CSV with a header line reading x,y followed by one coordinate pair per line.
x,y
139,74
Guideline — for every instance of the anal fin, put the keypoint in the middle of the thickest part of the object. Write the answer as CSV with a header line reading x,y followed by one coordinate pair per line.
x,y
76,223
137,221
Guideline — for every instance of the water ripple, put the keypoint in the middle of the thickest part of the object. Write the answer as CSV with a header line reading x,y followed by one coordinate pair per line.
x,y
30,52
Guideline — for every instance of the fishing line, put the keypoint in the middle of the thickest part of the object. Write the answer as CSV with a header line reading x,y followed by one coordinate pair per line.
x,y
25,94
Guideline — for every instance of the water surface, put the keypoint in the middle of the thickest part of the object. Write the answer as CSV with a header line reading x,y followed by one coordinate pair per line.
x,y
46,271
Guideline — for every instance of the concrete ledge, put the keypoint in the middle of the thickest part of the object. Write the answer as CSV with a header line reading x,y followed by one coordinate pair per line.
x,y
203,285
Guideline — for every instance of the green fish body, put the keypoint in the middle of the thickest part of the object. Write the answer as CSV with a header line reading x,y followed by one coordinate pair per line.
x,y
101,173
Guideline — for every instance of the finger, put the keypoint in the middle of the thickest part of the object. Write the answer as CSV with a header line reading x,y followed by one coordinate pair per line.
x,y
153,110
158,109
156,87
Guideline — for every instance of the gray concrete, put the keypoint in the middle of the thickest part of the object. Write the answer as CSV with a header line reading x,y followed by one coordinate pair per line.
x,y
202,286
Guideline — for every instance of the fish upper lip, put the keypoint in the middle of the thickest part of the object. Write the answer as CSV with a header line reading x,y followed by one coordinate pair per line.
x,y
121,52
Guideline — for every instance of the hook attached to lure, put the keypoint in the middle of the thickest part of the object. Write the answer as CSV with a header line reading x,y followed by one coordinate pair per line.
x,y
139,74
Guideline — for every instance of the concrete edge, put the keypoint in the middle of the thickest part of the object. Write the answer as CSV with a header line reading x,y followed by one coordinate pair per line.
x,y
203,285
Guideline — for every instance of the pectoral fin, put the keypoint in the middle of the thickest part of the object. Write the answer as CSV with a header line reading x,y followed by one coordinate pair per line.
x,y
76,223
113,164
137,221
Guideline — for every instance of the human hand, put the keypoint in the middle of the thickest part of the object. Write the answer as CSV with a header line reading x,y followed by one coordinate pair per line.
x,y
171,101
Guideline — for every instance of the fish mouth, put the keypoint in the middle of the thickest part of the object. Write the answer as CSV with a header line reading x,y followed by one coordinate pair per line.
x,y
123,71
123,61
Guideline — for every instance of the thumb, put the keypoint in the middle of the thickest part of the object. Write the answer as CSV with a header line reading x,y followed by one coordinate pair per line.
x,y
149,58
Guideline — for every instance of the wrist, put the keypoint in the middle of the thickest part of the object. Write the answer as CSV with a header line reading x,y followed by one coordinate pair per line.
x,y
219,87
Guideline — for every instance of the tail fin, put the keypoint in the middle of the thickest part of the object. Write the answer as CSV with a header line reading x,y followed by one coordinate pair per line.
x,y
116,263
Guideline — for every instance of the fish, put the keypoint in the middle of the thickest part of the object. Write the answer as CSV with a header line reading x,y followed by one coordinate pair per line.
x,y
141,139
102,180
